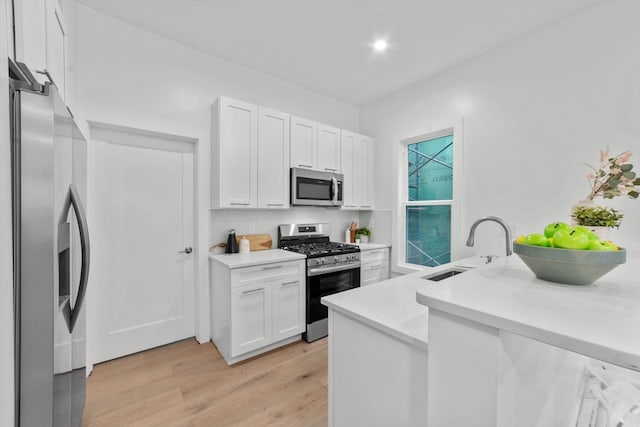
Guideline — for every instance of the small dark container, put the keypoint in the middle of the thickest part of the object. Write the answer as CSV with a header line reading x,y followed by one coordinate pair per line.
x,y
232,243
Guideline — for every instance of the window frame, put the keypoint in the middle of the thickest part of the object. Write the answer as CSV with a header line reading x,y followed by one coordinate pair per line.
x,y
456,203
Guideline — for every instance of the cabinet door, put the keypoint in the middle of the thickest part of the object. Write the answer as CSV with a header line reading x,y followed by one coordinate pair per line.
x,y
347,144
273,159
288,307
363,172
238,151
30,35
328,148
56,52
304,141
251,326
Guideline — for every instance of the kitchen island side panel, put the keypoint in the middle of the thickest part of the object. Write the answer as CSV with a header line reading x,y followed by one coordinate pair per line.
x,y
375,379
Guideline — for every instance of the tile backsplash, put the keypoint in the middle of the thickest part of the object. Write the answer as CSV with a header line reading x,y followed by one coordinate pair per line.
x,y
266,222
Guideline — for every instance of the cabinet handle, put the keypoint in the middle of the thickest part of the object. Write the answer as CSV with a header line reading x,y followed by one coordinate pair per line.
x,y
366,206
46,73
272,267
252,291
376,266
239,204
331,170
306,166
275,204
289,283
349,206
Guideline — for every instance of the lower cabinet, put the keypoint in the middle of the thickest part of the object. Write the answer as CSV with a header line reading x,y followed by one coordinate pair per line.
x,y
250,318
374,266
257,308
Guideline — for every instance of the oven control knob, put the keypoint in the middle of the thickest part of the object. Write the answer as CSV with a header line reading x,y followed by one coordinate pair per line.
x,y
336,259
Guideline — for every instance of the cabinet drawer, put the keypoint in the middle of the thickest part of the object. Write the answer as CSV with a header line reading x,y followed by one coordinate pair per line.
x,y
261,273
374,255
374,272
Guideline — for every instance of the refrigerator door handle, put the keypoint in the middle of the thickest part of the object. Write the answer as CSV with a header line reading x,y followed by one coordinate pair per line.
x,y
73,200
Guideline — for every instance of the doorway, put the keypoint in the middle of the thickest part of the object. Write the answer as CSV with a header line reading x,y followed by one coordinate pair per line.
x,y
141,195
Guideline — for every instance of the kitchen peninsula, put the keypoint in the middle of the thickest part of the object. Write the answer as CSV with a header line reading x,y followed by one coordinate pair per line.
x,y
504,348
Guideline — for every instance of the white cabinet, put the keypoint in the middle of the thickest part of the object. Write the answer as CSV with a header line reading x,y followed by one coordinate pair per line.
x,y
56,42
249,156
273,159
257,308
30,35
288,298
234,154
357,168
304,143
374,265
314,145
40,39
328,148
250,317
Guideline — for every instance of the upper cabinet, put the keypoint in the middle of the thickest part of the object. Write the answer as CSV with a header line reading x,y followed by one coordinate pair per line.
x,y
253,148
314,145
41,40
304,143
56,42
273,159
328,148
249,156
30,35
357,168
234,154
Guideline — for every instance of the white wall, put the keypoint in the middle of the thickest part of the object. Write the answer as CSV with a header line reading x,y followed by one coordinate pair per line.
x,y
6,248
535,111
134,78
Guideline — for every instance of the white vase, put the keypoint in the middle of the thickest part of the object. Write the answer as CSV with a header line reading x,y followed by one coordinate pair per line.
x,y
603,232
364,239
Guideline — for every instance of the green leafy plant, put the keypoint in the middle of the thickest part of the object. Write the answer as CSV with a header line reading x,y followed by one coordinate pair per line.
x,y
364,231
597,216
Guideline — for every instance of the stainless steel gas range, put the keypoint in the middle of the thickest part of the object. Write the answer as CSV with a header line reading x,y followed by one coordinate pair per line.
x,y
331,268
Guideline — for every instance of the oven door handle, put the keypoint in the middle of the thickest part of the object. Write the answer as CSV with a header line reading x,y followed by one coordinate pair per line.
x,y
323,270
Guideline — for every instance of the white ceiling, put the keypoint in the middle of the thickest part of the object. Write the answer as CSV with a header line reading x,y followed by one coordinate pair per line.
x,y
325,46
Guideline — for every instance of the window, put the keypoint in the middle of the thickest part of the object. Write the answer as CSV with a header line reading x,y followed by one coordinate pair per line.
x,y
429,208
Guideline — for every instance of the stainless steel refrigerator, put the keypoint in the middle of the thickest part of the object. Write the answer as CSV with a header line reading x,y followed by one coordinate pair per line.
x,y
51,254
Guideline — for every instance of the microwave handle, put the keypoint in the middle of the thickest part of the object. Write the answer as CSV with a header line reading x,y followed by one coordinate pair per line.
x,y
334,189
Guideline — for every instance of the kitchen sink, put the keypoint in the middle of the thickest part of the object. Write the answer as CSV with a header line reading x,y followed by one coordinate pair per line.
x,y
444,274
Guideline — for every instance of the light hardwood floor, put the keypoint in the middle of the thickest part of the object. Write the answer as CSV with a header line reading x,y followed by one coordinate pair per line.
x,y
189,384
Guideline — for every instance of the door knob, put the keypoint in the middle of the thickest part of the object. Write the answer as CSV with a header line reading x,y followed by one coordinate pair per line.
x,y
187,250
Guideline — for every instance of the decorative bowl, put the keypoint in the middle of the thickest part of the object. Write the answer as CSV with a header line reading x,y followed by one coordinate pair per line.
x,y
568,266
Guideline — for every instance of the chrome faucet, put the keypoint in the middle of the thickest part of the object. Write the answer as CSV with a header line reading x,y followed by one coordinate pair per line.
x,y
500,221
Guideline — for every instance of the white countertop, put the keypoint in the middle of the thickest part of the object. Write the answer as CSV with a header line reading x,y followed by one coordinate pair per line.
x,y
601,320
390,305
269,256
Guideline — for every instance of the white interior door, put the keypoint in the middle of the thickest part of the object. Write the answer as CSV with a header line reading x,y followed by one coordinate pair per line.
x,y
143,216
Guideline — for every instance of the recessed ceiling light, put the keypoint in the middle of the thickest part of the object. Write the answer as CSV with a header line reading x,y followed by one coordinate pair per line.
x,y
380,45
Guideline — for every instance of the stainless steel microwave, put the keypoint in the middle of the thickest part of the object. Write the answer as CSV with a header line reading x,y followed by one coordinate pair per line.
x,y
315,188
